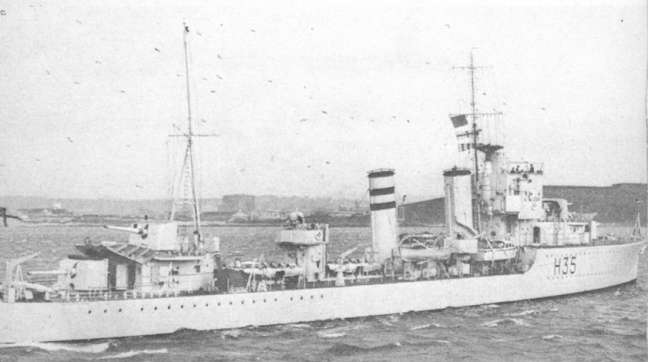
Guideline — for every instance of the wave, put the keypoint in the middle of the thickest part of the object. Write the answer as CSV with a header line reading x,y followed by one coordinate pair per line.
x,y
426,326
67,347
231,333
299,326
385,322
422,326
523,313
135,353
344,349
338,332
490,306
505,321
551,337
331,334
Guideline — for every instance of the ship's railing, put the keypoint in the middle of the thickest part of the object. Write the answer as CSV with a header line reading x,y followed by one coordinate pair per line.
x,y
105,295
98,295
74,296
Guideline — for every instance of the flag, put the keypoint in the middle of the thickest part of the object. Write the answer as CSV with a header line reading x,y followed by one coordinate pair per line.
x,y
459,120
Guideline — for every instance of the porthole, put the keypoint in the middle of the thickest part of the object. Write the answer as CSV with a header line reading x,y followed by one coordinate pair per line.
x,y
230,303
242,302
142,309
321,296
194,306
89,312
253,301
218,304
169,306
154,308
119,310
275,299
181,306
105,310
206,304
312,296
301,297
264,301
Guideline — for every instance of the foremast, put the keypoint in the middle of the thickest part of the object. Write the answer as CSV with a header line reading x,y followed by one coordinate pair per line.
x,y
188,179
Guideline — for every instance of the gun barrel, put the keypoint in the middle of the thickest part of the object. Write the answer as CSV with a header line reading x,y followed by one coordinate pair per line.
x,y
121,228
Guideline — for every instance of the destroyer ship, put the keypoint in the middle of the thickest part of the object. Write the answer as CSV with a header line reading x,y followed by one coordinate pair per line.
x,y
502,242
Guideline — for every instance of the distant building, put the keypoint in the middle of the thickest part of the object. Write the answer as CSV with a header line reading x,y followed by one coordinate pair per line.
x,y
238,202
216,215
45,214
239,216
269,215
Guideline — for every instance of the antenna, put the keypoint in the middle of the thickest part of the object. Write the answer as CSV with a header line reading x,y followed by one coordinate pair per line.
x,y
188,170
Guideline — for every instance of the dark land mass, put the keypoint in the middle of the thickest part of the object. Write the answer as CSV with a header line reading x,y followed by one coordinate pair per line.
x,y
612,204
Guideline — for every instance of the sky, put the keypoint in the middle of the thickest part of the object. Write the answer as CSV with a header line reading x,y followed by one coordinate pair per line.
x,y
306,96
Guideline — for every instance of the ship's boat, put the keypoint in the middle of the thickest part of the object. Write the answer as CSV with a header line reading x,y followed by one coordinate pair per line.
x,y
496,251
425,246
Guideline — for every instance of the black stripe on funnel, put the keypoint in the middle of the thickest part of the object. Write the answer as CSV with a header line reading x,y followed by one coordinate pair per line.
x,y
383,206
382,191
381,173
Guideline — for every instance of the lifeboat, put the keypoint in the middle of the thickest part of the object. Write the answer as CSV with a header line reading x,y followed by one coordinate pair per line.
x,y
416,247
496,251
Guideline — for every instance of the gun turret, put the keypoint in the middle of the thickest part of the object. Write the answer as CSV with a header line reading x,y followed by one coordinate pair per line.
x,y
135,229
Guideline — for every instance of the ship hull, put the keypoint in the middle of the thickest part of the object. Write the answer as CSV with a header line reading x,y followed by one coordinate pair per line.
x,y
556,271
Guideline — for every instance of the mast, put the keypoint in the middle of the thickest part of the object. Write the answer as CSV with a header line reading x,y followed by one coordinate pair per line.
x,y
194,200
188,167
476,146
646,121
473,107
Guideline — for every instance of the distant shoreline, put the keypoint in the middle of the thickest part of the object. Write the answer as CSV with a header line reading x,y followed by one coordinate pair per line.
x,y
259,224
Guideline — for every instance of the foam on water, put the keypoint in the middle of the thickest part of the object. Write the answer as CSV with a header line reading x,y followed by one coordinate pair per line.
x,y
331,334
523,313
422,326
130,354
499,322
550,337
